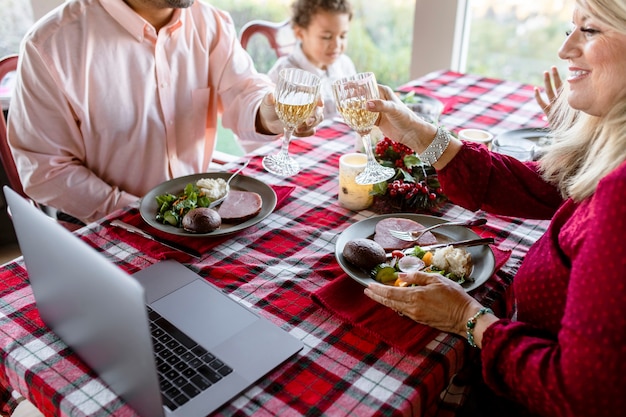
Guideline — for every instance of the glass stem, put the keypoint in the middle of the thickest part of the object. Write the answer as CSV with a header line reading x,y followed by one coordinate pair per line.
x,y
284,148
367,145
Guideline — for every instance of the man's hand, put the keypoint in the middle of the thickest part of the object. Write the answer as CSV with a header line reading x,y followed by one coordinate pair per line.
x,y
267,121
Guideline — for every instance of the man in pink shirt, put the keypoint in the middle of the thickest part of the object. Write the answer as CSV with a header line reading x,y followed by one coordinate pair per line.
x,y
114,97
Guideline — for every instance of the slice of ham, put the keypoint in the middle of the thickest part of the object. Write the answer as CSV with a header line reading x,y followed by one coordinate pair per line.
x,y
388,242
240,206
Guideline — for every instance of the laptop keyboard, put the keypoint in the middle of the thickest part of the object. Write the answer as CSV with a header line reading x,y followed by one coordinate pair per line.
x,y
185,368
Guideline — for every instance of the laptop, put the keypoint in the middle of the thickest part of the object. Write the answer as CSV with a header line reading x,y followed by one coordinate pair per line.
x,y
164,339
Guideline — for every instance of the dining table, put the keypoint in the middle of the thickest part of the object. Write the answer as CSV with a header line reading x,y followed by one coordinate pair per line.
x,y
359,358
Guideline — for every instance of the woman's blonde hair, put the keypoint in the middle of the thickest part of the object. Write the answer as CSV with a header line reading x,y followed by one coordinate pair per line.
x,y
586,148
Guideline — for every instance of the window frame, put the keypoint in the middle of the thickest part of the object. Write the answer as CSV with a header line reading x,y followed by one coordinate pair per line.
x,y
440,33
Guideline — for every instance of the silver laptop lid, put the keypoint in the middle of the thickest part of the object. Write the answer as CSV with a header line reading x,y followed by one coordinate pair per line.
x,y
94,306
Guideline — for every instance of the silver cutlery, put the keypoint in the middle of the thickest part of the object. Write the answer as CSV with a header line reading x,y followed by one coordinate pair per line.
x,y
414,236
168,243
459,244
220,200
462,243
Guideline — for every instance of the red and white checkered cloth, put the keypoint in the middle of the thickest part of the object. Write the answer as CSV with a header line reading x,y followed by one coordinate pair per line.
x,y
275,267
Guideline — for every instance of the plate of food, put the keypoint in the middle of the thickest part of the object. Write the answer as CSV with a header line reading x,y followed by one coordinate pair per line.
x,y
248,202
482,260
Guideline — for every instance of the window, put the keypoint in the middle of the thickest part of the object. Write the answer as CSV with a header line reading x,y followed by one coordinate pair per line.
x,y
380,38
516,39
15,19
509,39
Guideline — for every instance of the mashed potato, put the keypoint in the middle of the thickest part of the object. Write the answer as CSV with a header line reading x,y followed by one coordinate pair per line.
x,y
214,188
455,260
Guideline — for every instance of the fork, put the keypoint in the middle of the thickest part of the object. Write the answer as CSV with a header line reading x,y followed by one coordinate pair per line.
x,y
416,235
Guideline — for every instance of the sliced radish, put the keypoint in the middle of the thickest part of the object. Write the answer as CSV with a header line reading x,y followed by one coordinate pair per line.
x,y
410,264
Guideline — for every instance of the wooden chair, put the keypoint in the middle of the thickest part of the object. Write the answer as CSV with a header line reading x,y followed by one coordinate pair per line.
x,y
279,35
8,64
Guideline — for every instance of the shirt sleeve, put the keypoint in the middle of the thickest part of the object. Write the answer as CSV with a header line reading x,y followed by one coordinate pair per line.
x,y
240,86
38,96
479,179
580,371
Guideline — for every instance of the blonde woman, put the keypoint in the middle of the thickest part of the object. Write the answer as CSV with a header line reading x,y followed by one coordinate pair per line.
x,y
561,351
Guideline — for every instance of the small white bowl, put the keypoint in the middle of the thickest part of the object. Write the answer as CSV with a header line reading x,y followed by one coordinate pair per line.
x,y
476,135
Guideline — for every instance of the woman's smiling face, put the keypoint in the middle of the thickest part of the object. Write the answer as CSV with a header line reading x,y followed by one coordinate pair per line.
x,y
596,54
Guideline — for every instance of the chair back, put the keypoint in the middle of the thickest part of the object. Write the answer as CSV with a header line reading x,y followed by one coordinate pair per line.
x,y
8,64
279,35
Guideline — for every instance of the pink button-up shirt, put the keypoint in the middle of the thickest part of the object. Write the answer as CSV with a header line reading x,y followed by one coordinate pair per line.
x,y
105,108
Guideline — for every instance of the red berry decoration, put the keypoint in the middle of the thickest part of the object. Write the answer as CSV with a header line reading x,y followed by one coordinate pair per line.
x,y
414,188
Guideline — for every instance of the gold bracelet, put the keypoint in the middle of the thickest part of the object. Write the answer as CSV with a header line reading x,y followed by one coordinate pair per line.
x,y
471,324
436,148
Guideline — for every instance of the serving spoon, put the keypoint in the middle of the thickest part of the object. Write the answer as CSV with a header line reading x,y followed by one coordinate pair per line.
x,y
221,199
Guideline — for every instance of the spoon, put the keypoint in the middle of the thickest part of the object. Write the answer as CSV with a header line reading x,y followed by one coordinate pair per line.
x,y
221,199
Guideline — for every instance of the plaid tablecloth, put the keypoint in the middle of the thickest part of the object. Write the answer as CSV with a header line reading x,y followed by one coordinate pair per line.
x,y
274,267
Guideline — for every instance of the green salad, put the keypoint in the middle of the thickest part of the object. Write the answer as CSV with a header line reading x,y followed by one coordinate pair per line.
x,y
172,208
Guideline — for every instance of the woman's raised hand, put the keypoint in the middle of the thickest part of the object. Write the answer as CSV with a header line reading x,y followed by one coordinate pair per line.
x,y
553,86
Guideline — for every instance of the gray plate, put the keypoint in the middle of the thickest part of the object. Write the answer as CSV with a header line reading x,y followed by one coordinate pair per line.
x,y
427,107
533,134
482,256
148,206
524,144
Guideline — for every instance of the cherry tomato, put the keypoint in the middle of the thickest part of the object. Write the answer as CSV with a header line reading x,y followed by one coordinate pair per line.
x,y
397,254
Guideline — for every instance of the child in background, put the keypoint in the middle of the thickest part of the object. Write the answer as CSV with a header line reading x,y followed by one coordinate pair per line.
x,y
321,27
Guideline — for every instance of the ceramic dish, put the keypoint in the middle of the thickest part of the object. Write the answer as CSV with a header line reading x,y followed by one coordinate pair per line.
x,y
524,144
476,135
483,257
148,206
429,108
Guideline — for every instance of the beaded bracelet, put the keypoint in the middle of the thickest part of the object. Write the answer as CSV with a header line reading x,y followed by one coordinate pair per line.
x,y
436,148
471,324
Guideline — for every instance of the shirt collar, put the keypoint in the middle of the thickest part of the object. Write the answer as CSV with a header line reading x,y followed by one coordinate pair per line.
x,y
303,62
132,22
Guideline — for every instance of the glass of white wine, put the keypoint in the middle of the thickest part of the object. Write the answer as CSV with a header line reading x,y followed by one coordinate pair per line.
x,y
296,97
351,94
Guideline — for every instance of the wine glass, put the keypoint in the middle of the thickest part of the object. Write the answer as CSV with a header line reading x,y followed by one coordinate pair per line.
x,y
296,98
351,94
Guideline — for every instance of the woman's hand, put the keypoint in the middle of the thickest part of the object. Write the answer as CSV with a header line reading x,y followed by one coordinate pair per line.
x,y
435,301
553,85
400,123
267,121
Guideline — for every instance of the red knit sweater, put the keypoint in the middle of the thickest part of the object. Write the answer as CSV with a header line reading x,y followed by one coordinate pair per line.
x,y
565,355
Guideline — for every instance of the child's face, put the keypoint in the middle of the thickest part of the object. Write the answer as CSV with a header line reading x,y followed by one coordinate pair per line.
x,y
325,39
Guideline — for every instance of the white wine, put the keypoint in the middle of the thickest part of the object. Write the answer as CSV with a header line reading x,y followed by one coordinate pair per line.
x,y
293,115
355,115
295,100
